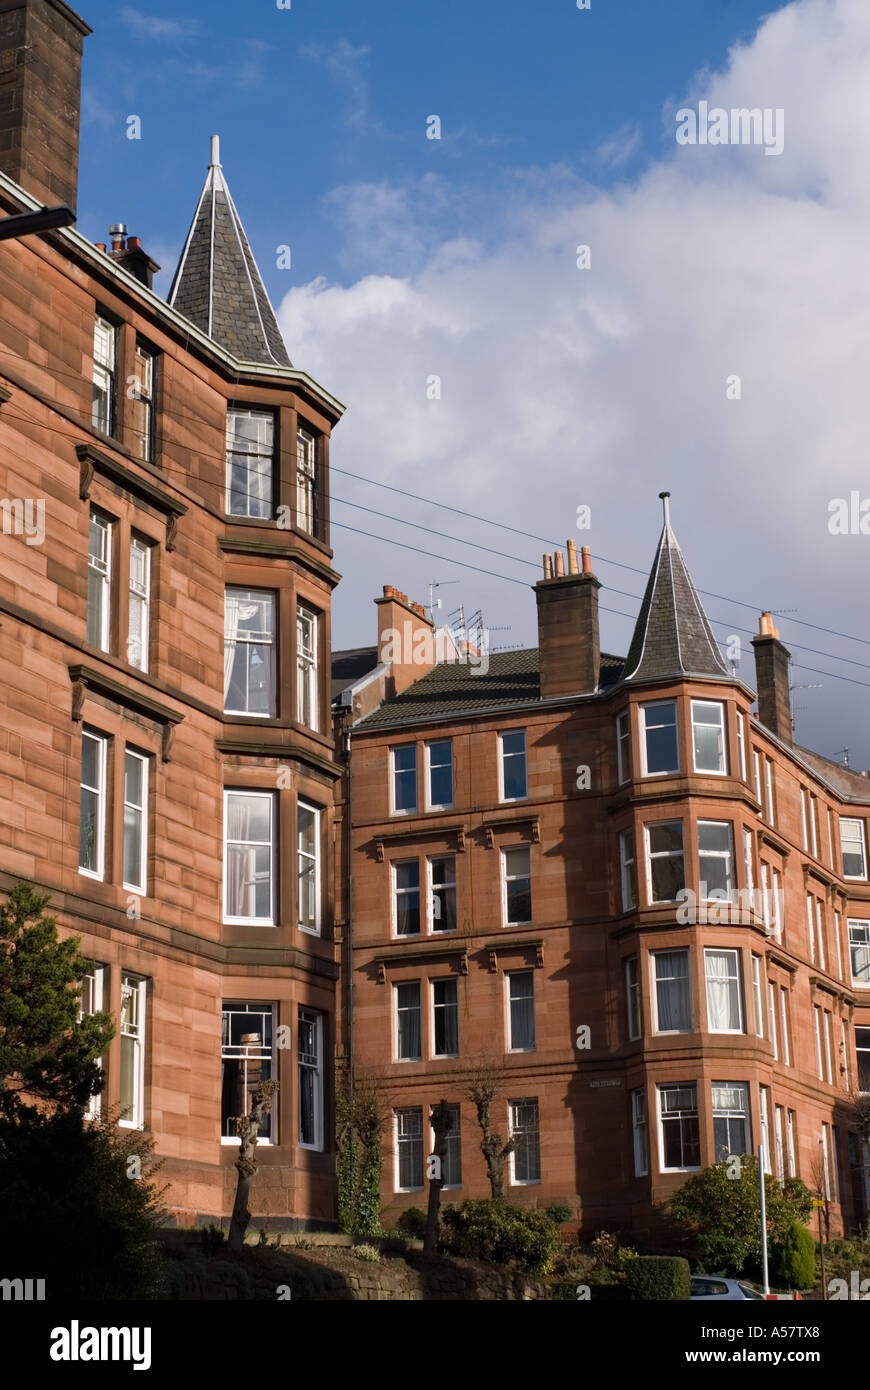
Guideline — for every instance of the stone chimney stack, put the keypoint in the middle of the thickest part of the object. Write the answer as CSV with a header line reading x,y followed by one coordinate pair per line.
x,y
40,94
568,640
771,678
406,639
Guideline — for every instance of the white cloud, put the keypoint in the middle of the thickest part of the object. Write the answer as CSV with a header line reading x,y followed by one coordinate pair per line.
x,y
562,386
148,26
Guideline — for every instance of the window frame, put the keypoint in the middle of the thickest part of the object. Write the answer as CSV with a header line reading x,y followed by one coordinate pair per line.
x,y
306,480
514,1130
729,1113
250,792
111,374
145,761
735,979
727,855
270,641
396,892
677,1086
303,804
502,756
434,1006
510,976
623,747
655,980
257,1008
103,577
515,878
316,1070
101,792
398,1011
627,869
432,805
633,1011
148,397
859,822
308,667
138,986
723,770
864,923
143,596
403,772
662,854
644,739
250,411
398,1137
639,1132
433,888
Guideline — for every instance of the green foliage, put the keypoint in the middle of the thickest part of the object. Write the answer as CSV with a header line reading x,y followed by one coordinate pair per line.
x,y
359,1126
46,1052
491,1229
370,1253
725,1213
69,1212
795,1258
658,1277
559,1212
212,1240
412,1222
605,1249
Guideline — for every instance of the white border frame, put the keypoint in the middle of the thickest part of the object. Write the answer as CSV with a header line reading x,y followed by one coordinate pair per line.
x,y
142,886
273,866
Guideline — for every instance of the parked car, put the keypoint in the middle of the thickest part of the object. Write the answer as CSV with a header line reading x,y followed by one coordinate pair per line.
x,y
706,1286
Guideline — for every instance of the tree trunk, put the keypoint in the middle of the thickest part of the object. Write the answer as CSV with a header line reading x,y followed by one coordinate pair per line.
x,y
248,1127
440,1120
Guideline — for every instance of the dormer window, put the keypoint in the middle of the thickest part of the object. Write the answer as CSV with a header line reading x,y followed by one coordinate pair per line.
x,y
250,462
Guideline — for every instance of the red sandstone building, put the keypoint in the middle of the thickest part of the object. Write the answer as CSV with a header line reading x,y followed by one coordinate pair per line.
x,y
521,838
502,878
166,752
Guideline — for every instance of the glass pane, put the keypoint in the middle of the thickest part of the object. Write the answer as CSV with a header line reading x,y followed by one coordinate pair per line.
x,y
132,845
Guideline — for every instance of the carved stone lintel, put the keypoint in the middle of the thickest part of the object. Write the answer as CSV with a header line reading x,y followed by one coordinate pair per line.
x,y
79,690
171,529
86,477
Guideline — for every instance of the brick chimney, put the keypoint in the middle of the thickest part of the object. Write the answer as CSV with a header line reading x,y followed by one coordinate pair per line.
x,y
40,92
406,639
771,678
570,657
127,251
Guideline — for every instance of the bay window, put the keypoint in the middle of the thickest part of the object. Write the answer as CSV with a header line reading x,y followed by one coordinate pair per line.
x,y
666,871
730,1119
672,993
680,1135
307,698
724,993
247,1059
708,736
659,743
250,462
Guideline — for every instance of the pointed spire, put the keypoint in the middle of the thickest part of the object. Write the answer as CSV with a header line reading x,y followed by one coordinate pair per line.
x,y
672,636
217,284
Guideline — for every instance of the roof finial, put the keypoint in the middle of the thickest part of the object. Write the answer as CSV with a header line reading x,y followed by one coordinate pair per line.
x,y
665,507
216,151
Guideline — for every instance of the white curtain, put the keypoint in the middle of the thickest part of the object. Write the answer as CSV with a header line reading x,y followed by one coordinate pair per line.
x,y
721,991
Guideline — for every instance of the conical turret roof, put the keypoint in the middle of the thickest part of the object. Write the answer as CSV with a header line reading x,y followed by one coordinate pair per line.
x,y
672,636
217,284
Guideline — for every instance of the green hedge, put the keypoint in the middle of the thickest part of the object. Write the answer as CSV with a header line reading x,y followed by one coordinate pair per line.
x,y
796,1258
658,1277
487,1229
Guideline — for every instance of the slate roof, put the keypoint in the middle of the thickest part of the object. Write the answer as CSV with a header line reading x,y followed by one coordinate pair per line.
x,y
672,636
217,284
453,688
348,666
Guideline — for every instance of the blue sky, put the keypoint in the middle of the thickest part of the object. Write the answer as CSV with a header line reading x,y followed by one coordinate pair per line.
x,y
456,257
309,98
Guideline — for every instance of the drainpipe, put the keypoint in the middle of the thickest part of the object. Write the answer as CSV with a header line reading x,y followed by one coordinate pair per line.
x,y
349,933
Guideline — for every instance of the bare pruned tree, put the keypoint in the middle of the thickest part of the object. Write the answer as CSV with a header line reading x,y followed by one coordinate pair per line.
x,y
247,1128
439,1119
485,1083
